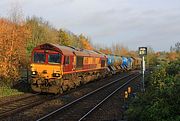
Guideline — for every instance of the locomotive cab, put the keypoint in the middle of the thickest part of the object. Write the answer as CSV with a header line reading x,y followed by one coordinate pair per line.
x,y
46,68
46,64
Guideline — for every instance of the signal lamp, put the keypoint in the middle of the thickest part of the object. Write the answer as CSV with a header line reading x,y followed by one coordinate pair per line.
x,y
126,94
129,90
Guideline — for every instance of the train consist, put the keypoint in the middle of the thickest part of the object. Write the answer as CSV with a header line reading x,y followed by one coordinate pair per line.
x,y
55,68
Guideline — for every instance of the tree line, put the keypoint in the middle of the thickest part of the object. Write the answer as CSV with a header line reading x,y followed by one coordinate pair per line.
x,y
17,39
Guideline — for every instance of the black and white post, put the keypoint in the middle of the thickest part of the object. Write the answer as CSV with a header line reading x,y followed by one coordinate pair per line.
x,y
142,53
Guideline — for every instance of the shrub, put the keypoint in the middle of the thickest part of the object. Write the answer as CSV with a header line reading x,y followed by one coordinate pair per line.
x,y
161,100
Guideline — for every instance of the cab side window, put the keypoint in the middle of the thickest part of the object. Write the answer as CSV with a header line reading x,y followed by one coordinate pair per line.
x,y
66,60
79,61
102,63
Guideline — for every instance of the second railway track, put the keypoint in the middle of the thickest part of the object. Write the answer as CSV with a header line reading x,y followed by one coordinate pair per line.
x,y
15,106
83,106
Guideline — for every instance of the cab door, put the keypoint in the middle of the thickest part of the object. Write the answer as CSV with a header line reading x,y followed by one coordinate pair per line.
x,y
67,63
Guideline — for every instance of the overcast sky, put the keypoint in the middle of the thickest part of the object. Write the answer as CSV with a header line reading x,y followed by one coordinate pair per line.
x,y
133,23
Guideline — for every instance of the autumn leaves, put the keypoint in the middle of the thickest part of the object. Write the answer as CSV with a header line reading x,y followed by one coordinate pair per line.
x,y
18,39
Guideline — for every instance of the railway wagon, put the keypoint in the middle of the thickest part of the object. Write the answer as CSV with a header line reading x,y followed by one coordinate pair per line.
x,y
58,68
130,61
137,63
124,64
118,62
110,62
114,62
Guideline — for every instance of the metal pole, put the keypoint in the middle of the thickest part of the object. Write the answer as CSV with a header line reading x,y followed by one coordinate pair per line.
x,y
143,70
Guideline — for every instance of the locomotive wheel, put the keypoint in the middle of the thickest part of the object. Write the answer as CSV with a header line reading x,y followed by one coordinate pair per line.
x,y
64,88
76,81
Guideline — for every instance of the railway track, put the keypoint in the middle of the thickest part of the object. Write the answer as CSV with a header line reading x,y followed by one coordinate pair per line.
x,y
19,99
114,107
80,108
15,106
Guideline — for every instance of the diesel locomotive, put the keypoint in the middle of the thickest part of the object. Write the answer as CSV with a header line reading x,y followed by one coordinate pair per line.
x,y
56,68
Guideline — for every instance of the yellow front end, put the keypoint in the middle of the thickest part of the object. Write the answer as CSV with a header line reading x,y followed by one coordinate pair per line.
x,y
46,77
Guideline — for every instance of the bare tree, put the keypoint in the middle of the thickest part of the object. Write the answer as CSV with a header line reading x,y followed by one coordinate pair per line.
x,y
15,12
177,47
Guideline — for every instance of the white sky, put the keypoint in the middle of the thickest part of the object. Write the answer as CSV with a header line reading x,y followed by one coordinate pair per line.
x,y
133,23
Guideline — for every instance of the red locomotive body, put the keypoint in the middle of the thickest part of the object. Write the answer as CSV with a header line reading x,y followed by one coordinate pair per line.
x,y
58,68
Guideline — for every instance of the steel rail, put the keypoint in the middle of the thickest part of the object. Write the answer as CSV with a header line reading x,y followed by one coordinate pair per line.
x,y
84,96
95,107
20,99
26,104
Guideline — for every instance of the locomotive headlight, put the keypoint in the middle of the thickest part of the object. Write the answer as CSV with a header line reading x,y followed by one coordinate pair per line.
x,y
56,75
33,72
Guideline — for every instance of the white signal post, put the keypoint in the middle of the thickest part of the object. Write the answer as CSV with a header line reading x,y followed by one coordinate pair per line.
x,y
142,53
143,70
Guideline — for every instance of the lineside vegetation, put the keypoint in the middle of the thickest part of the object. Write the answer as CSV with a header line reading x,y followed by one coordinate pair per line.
x,y
161,100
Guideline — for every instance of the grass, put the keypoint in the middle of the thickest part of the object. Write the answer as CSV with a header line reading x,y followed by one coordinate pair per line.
x,y
7,91
18,88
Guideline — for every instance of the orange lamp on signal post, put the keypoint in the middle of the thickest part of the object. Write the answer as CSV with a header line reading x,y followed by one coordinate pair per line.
x,y
129,90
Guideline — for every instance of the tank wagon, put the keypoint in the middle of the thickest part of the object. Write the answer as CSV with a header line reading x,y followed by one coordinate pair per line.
x,y
55,68
136,63
113,63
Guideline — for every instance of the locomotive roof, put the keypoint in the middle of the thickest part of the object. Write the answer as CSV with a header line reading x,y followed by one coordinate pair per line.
x,y
68,50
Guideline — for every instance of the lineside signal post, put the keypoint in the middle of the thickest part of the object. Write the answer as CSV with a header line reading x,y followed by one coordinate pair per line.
x,y
142,53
